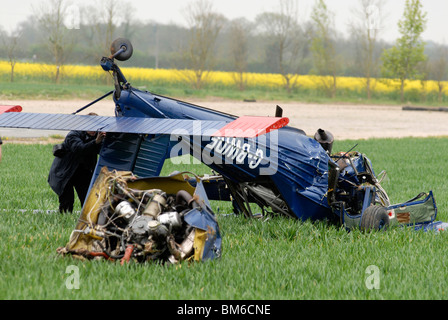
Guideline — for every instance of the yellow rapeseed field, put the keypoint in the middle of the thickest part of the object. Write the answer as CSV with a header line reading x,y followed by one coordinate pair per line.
x,y
146,76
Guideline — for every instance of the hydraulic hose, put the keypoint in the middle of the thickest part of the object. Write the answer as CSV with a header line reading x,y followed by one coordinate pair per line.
x,y
127,254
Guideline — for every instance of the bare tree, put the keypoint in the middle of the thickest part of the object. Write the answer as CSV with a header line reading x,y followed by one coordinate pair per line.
x,y
326,62
51,17
283,32
204,26
438,68
423,69
109,19
366,30
101,22
127,26
11,45
239,47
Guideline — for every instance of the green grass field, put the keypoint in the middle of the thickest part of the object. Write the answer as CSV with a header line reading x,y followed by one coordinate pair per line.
x,y
279,259
47,90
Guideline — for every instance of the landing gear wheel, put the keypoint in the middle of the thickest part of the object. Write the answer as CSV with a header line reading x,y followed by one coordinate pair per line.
x,y
117,45
375,218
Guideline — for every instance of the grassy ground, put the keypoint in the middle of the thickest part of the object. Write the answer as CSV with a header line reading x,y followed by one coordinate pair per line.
x,y
51,91
34,90
274,259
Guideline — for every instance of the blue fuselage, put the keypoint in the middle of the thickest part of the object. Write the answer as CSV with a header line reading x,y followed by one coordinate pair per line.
x,y
285,160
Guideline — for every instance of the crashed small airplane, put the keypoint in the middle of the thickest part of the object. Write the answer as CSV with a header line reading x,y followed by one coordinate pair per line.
x,y
257,160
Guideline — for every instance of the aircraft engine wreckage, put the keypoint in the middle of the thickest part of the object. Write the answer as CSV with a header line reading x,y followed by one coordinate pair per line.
x,y
162,219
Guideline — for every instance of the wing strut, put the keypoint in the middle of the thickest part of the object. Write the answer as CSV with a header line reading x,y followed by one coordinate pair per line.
x,y
100,98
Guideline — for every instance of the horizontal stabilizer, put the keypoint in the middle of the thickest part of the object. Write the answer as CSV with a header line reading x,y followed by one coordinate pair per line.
x,y
251,126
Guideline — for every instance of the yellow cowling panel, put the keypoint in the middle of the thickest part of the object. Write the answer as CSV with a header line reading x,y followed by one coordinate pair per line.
x,y
170,184
200,237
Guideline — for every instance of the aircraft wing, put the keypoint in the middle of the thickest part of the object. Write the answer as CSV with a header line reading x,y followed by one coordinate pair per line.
x,y
241,127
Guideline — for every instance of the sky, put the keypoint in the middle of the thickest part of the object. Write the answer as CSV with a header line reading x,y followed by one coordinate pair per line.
x,y
172,11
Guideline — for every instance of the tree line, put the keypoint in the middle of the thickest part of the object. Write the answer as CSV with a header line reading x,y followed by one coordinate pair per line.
x,y
275,42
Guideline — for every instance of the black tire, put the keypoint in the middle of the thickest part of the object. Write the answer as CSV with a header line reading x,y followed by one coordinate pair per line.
x,y
375,218
117,44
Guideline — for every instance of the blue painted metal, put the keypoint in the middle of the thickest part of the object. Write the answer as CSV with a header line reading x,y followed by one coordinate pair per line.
x,y
436,226
301,163
151,156
136,103
366,195
204,220
144,155
118,152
